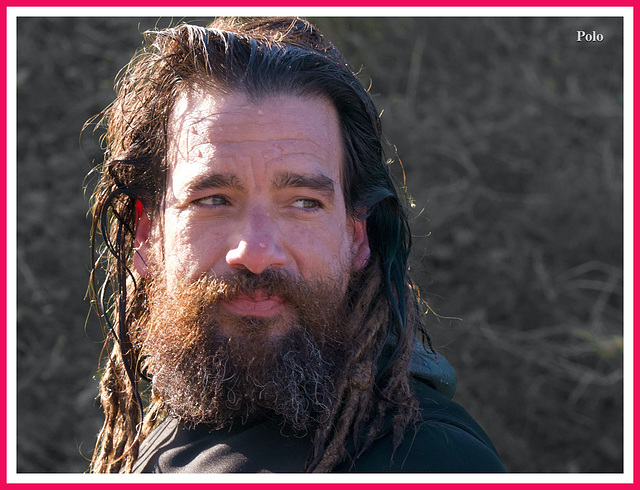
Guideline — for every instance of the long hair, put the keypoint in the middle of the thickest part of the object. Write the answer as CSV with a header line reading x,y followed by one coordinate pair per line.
x,y
258,57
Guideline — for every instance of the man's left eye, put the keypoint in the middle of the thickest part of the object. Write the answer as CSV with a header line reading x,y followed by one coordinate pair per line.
x,y
307,204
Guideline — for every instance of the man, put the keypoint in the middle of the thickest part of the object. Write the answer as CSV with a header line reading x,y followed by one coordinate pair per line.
x,y
257,249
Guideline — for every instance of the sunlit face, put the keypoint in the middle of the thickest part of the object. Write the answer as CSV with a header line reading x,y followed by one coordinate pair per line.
x,y
254,186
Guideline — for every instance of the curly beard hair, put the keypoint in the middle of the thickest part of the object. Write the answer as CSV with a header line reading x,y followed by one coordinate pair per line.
x,y
342,361
204,374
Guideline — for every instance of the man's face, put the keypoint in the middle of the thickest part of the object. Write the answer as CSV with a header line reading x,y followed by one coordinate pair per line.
x,y
250,261
254,186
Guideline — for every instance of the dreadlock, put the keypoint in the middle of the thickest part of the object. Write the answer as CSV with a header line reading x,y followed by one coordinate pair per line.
x,y
259,57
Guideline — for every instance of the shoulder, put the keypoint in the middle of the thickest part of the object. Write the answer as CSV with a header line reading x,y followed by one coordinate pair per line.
x,y
162,436
447,440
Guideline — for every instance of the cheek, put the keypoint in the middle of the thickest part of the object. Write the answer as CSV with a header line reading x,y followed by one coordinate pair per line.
x,y
189,252
320,250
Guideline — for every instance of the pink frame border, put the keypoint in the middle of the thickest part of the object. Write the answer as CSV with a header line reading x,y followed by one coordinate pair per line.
x,y
290,3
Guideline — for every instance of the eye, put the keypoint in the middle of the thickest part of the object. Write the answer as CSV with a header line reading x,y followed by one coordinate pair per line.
x,y
307,204
213,201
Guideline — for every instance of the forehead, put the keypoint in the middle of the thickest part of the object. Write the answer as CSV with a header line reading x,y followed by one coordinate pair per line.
x,y
207,127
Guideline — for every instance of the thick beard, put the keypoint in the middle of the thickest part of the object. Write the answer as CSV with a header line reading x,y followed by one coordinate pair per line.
x,y
204,376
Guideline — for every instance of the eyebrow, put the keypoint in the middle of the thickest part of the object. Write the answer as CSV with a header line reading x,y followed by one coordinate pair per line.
x,y
318,182
228,181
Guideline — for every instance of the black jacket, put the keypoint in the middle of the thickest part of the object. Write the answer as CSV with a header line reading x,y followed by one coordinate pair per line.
x,y
448,440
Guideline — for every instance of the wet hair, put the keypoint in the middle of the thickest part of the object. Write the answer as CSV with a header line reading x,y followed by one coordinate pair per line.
x,y
259,58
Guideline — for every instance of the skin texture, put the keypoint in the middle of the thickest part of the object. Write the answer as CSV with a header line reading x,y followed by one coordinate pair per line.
x,y
255,186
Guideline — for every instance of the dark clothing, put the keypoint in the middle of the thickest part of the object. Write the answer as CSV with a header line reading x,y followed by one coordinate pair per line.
x,y
448,440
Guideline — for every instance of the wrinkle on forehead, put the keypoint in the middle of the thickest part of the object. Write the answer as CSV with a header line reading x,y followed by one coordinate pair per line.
x,y
198,115
190,103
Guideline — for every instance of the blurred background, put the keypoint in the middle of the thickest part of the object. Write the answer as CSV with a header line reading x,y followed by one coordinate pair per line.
x,y
510,134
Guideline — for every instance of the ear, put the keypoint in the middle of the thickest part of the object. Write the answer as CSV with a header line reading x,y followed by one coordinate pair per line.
x,y
141,244
360,244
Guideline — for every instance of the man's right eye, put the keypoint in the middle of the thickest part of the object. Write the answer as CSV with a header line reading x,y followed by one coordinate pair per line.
x,y
212,201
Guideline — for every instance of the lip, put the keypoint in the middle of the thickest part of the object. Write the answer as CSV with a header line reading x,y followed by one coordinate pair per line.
x,y
260,305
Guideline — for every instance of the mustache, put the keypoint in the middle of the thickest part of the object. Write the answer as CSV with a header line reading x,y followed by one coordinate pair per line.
x,y
270,282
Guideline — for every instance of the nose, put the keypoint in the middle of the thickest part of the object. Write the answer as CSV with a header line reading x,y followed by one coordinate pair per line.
x,y
257,246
